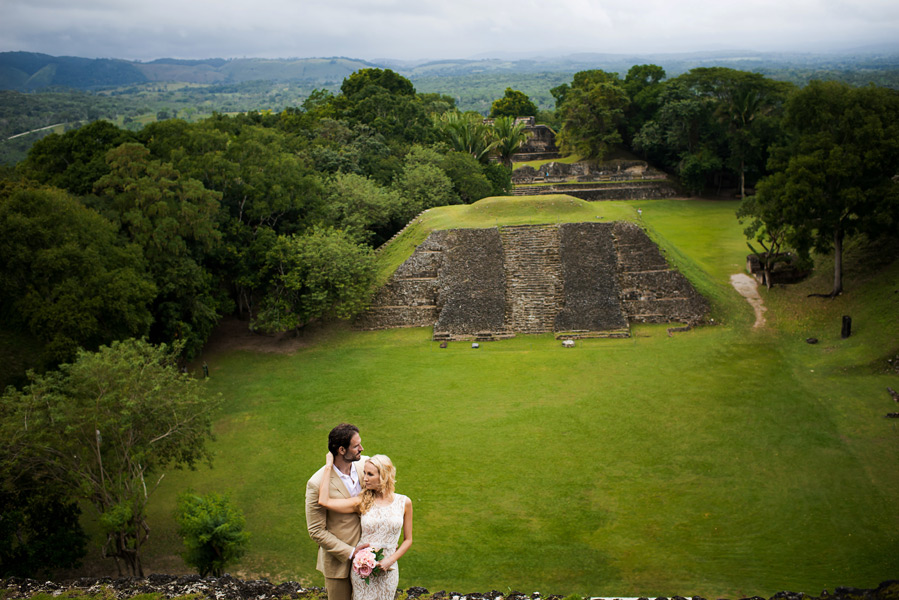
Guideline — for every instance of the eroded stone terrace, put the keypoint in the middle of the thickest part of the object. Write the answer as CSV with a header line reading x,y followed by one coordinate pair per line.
x,y
573,279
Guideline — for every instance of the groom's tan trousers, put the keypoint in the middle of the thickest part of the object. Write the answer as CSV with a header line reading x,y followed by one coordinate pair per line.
x,y
339,589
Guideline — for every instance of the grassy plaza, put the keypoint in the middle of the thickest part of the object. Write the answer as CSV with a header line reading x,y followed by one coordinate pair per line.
x,y
725,461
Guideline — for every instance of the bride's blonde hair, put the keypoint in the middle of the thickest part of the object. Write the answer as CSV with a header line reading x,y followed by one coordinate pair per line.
x,y
386,482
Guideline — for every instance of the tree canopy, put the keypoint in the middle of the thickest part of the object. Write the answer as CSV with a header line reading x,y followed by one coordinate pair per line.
x,y
593,113
66,277
109,424
513,104
834,176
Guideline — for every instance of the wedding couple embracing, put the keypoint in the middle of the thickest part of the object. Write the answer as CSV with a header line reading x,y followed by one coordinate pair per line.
x,y
356,518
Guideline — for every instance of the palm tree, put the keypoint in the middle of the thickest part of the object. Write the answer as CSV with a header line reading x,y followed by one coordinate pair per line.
x,y
510,137
466,132
739,110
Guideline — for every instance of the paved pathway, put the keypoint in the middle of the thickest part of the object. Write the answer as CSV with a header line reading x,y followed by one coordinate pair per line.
x,y
748,288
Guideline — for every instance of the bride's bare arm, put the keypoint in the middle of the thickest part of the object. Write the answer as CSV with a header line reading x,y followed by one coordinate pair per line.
x,y
341,505
387,563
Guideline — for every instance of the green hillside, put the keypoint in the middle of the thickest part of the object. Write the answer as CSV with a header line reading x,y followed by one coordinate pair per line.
x,y
725,461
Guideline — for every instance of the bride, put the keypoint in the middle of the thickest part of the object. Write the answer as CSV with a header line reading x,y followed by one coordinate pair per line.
x,y
384,514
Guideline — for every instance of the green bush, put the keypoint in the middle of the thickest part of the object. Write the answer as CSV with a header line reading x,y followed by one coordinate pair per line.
x,y
212,532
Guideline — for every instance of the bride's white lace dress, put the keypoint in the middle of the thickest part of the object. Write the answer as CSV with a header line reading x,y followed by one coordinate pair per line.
x,y
381,527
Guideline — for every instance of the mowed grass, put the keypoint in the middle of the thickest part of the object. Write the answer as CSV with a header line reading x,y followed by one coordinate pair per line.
x,y
723,462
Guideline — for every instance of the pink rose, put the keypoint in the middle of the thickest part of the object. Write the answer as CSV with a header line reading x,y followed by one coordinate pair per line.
x,y
365,570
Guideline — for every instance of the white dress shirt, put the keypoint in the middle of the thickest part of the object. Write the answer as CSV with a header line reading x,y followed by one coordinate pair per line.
x,y
351,481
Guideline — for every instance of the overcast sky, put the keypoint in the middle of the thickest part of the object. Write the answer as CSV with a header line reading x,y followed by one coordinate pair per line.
x,y
434,29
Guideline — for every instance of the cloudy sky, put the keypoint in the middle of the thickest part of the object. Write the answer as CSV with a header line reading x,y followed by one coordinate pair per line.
x,y
434,29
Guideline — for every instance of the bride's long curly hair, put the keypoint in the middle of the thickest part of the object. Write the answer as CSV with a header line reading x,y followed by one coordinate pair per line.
x,y
386,482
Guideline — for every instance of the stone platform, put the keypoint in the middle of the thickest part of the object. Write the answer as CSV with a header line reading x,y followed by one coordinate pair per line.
x,y
575,280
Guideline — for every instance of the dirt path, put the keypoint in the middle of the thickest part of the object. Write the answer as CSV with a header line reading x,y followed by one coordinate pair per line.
x,y
234,334
748,288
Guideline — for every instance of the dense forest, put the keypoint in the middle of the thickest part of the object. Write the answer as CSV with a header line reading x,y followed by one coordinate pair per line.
x,y
113,233
215,213
40,94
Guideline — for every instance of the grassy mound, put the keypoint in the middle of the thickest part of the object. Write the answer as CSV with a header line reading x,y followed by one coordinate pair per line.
x,y
500,210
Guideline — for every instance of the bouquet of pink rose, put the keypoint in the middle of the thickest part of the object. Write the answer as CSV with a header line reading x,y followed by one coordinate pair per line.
x,y
365,563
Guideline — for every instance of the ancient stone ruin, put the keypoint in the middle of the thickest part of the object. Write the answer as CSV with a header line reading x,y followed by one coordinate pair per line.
x,y
559,172
784,269
541,143
575,280
612,180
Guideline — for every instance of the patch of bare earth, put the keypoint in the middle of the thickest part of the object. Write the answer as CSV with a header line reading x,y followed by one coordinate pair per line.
x,y
748,288
233,334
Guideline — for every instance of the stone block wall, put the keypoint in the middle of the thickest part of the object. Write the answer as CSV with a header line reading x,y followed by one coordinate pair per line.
x,y
585,171
471,289
541,139
533,277
409,299
577,279
590,273
651,291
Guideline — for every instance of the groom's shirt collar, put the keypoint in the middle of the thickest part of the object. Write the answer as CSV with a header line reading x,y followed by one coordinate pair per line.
x,y
351,481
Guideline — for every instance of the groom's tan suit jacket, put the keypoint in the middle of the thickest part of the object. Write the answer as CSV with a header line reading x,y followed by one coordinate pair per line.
x,y
335,533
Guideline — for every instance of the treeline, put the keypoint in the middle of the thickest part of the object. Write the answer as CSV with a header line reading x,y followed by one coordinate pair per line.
x,y
711,127
132,107
273,215
473,85
109,234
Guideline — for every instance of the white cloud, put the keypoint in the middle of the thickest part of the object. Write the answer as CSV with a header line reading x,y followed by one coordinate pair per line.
x,y
433,29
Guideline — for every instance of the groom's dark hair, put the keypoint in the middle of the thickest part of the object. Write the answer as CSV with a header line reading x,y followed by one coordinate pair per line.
x,y
341,436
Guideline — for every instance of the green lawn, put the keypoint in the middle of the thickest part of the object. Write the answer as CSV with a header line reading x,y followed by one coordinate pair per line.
x,y
722,462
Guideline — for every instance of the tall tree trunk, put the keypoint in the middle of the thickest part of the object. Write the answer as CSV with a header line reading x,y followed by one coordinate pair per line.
x,y
742,180
837,262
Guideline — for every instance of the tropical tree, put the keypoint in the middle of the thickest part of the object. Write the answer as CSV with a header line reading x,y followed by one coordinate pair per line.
x,y
39,527
592,114
74,160
510,137
684,136
466,132
386,79
386,102
513,104
746,105
360,207
644,86
768,213
423,186
174,219
109,425
66,276
321,273
469,177
836,175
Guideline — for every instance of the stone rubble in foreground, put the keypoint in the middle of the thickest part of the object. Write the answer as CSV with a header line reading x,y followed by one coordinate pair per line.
x,y
230,588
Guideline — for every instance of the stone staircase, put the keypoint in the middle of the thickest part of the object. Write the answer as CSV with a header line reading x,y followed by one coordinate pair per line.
x,y
575,280
533,274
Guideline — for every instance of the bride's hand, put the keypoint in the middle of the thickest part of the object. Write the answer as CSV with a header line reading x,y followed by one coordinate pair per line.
x,y
329,460
385,564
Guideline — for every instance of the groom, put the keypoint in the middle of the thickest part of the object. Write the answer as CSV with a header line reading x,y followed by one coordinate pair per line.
x,y
336,534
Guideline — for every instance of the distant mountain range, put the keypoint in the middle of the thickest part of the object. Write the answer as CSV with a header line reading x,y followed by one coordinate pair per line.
x,y
28,71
